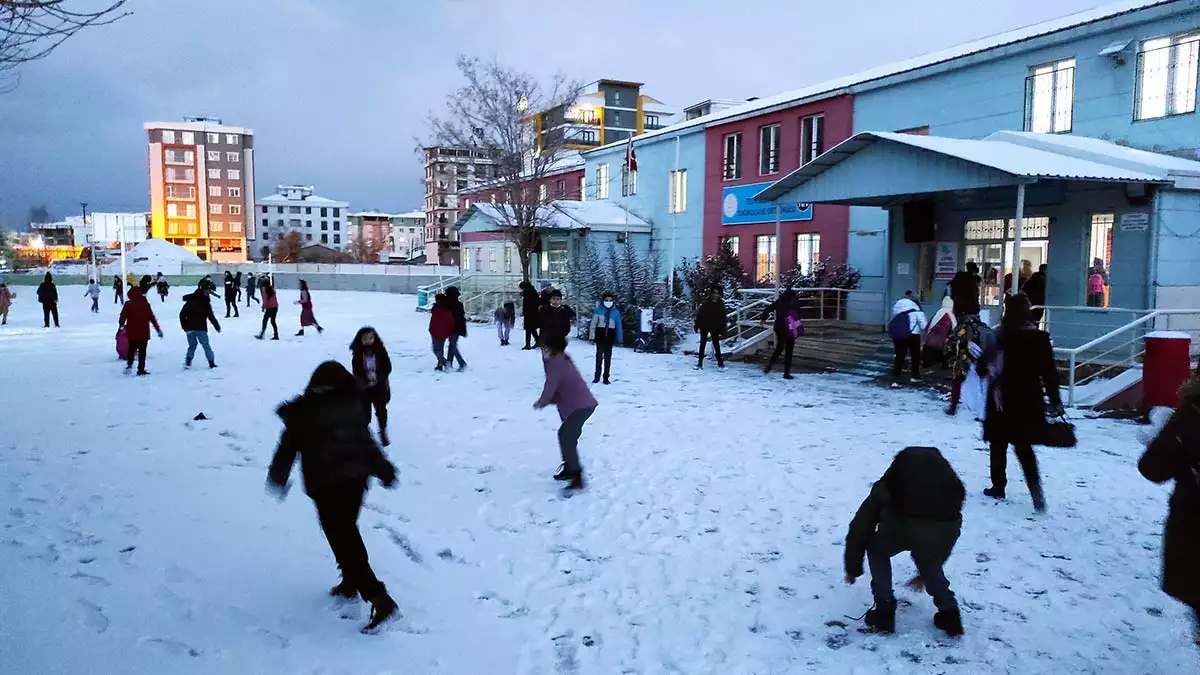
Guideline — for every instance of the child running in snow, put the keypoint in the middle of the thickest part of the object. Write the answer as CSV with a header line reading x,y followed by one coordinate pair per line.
x,y
307,318
325,426
93,292
372,366
566,389
917,507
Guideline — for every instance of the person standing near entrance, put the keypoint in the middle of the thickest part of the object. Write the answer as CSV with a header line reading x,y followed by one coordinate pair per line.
x,y
47,295
787,328
710,324
1097,279
1035,290
194,318
964,289
606,331
1021,375
907,324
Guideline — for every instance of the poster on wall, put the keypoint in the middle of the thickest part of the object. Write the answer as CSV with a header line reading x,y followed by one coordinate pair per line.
x,y
945,264
738,207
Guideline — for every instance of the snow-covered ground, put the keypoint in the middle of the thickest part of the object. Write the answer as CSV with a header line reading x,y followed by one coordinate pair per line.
x,y
709,539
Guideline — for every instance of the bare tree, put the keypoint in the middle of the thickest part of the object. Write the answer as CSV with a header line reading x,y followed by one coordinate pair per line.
x,y
496,111
365,249
31,29
287,247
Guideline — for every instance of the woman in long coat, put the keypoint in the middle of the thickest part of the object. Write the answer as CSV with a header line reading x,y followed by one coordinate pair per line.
x,y
1022,373
307,318
1175,455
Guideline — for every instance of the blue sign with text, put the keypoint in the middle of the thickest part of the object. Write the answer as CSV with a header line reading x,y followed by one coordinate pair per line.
x,y
738,207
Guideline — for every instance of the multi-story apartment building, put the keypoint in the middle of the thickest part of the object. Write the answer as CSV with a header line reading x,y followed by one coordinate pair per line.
x,y
449,173
407,241
605,111
202,186
294,208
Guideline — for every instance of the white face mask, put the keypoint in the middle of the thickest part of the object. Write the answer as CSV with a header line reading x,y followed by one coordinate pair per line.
x,y
608,303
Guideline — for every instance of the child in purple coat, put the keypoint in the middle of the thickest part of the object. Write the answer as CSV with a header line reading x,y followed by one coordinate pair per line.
x,y
566,389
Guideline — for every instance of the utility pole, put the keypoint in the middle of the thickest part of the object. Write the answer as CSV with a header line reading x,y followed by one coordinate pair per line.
x,y
95,269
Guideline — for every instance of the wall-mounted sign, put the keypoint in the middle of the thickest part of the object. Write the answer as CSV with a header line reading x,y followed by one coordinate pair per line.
x,y
1135,222
738,207
945,265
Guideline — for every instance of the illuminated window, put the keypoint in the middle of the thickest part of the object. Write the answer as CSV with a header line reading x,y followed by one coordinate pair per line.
x,y
1166,76
808,252
678,191
730,244
764,257
1049,97
602,181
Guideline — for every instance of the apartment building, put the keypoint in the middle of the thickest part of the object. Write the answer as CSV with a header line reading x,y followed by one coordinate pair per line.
x,y
202,186
450,172
295,208
605,112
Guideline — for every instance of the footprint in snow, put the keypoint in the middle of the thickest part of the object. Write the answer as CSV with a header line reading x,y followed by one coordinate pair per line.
x,y
170,646
91,616
91,579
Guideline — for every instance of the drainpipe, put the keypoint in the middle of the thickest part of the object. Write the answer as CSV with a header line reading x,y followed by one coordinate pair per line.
x,y
1155,228
1016,262
674,221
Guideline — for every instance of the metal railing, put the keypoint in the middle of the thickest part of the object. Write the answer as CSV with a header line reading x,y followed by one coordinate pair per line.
x,y
813,304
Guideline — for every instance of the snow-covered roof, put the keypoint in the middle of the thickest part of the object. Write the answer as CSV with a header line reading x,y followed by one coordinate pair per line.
x,y
600,215
311,200
412,214
202,126
1021,154
843,85
371,213
566,162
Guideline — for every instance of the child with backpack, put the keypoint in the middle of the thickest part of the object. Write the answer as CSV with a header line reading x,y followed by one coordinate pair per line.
x,y
506,318
788,327
917,507
905,328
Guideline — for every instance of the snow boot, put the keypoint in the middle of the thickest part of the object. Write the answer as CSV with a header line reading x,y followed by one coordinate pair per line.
x,y
596,380
562,473
344,589
788,376
1039,499
382,609
576,483
606,381
994,493
383,438
881,619
212,364
319,331
300,332
949,621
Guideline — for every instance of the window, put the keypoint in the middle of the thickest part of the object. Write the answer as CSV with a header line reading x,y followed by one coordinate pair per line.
x,y
233,157
187,138
768,150
279,223
731,244
1096,281
555,259
561,188
214,208
214,190
764,257
232,139
172,227
732,163
214,155
812,138
678,191
628,181
324,212
492,260
214,174
235,192
508,260
1166,76
308,210
235,209
177,174
266,236
337,238
293,222
279,209
180,157
337,212
294,209
466,259
337,225
233,174
324,225
651,122
181,192
235,226
1049,94
173,211
616,98
216,225
324,239
214,139
168,136
308,236
808,252
265,223
583,188
543,193
264,209
602,181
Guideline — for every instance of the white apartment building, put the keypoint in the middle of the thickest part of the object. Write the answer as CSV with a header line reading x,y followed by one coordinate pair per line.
x,y
294,208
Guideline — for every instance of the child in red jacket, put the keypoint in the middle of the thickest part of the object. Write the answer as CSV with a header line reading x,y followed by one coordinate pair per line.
x,y
136,318
441,328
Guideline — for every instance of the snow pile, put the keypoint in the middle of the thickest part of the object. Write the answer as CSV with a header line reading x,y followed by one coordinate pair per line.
x,y
153,256
709,540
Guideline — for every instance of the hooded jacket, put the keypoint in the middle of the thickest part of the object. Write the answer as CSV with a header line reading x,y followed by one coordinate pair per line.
x,y
328,430
917,504
964,289
197,313
916,318
1022,375
531,302
785,304
137,316
557,320
383,363
457,310
1174,454
441,321
605,327
47,292
711,317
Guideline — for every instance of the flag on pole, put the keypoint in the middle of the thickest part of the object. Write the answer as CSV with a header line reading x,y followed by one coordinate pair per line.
x,y
630,156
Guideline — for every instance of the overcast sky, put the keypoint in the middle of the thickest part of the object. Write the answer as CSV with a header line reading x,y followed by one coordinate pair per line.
x,y
337,91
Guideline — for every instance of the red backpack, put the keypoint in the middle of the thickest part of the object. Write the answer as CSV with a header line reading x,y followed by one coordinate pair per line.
x,y
938,334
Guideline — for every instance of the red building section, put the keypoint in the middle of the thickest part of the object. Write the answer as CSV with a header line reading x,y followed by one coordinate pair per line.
x,y
791,140
567,185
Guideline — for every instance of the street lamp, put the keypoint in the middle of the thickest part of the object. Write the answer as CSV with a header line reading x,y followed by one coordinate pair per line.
x,y
95,269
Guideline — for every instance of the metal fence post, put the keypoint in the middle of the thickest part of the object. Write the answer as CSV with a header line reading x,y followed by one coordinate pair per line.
x,y
1071,381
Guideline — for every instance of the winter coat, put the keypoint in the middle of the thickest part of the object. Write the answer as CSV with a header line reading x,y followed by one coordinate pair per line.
x,y
47,293
163,286
118,285
510,313
968,343
1175,455
964,290
916,505
208,286
1021,367
441,322
6,296
458,311
916,318
137,316
605,327
941,329
1035,288
231,287
710,318
270,301
328,430
383,369
307,318
1095,282
565,387
93,291
784,305
531,304
251,283
197,312
557,320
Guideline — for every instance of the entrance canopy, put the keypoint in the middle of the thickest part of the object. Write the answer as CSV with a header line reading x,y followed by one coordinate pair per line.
x,y
876,168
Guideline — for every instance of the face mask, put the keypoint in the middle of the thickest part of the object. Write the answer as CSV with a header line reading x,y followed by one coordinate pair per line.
x,y
608,303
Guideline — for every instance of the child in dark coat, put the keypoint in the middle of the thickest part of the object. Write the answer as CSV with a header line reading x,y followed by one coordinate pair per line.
x,y
325,426
372,366
916,507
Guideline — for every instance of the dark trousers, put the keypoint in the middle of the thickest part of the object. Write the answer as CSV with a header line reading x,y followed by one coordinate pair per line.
x,y
452,352
96,304
250,295
956,392
270,315
784,346
117,297
568,438
373,397
137,348
231,302
604,352
910,346
50,309
885,544
1029,466
531,334
716,342
337,509
439,350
